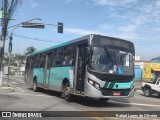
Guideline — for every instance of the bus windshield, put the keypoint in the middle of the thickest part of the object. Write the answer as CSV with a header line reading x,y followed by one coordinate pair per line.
x,y
111,61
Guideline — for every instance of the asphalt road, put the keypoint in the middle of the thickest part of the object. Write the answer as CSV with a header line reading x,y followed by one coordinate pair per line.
x,y
24,99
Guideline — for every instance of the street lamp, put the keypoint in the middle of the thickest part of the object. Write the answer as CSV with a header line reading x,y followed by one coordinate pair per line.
x,y
25,21
10,44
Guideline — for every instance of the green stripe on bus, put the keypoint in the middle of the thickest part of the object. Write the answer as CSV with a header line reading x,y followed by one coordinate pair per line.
x,y
112,85
50,48
106,84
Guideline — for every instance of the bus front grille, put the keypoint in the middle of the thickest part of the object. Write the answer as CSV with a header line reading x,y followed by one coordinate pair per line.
x,y
109,92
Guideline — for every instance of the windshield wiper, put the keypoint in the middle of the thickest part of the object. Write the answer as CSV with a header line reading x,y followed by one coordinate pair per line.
x,y
108,54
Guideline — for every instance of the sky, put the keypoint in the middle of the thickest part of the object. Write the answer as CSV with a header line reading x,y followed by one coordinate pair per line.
x,y
134,20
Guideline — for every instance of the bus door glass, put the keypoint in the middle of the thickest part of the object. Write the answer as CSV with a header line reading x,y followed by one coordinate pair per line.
x,y
29,67
47,70
80,68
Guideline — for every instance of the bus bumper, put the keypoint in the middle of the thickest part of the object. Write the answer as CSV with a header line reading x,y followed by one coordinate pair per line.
x,y
91,91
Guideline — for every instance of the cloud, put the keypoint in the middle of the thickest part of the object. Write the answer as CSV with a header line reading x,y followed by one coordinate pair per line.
x,y
130,31
80,31
105,26
113,2
34,4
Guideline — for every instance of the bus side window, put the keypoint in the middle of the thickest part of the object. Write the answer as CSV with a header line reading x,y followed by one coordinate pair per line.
x,y
49,59
32,62
42,60
58,58
68,55
53,57
35,62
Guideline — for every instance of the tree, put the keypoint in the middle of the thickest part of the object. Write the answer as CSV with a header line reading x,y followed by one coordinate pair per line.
x,y
30,50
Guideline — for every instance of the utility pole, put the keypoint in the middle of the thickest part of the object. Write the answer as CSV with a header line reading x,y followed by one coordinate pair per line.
x,y
3,36
8,9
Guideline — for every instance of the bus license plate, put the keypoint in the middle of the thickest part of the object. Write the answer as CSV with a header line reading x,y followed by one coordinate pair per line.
x,y
116,93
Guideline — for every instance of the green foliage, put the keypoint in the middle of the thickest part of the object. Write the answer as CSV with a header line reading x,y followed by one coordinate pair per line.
x,y
30,50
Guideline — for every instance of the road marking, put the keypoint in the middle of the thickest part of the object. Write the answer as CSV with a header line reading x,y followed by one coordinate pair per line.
x,y
22,82
28,94
21,90
134,104
14,82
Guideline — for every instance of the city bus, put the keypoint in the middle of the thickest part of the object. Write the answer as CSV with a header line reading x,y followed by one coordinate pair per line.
x,y
93,66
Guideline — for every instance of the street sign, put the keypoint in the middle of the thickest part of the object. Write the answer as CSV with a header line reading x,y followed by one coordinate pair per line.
x,y
32,25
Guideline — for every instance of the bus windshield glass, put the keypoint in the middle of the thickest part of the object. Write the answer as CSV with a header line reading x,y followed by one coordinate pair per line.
x,y
111,61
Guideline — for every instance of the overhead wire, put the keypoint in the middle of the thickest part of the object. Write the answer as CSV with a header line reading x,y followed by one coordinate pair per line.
x,y
36,39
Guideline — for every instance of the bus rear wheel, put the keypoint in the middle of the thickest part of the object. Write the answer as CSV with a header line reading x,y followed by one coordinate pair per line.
x,y
67,95
35,88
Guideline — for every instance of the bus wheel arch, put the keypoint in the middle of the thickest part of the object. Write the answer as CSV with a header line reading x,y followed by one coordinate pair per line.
x,y
35,88
65,89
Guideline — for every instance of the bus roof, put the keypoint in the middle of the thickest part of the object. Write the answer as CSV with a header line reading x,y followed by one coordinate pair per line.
x,y
62,44
74,41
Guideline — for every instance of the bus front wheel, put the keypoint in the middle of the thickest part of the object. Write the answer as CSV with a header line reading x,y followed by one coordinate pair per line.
x,y
67,95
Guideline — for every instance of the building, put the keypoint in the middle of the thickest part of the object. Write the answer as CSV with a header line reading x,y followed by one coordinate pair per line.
x,y
155,60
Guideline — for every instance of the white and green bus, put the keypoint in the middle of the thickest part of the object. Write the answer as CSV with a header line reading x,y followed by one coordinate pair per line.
x,y
93,66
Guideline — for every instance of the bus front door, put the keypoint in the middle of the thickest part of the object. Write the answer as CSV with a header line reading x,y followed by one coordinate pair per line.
x,y
80,72
46,71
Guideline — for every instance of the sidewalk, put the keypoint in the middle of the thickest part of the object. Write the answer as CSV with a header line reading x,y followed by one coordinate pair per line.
x,y
5,88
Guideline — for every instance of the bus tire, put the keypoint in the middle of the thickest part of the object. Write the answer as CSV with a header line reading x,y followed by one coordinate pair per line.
x,y
147,92
35,88
67,95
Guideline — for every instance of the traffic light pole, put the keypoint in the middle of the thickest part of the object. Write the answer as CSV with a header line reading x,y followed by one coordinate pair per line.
x,y
28,25
10,50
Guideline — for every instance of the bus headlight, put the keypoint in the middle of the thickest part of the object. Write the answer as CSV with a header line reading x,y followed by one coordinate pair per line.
x,y
94,84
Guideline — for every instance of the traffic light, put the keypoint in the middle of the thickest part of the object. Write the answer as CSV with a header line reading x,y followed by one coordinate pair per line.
x,y
32,25
10,45
60,27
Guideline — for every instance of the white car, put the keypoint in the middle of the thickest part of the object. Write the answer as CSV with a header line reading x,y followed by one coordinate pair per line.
x,y
151,88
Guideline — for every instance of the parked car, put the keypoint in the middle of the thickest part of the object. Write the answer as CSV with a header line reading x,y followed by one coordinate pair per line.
x,y
151,88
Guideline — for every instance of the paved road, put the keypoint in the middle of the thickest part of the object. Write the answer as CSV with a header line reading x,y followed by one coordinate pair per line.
x,y
24,99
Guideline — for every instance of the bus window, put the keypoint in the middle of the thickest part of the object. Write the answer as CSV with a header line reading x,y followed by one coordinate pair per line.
x,y
58,58
42,61
68,55
37,61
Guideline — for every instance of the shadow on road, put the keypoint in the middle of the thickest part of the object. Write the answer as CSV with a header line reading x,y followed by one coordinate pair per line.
x,y
152,96
96,103
91,102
